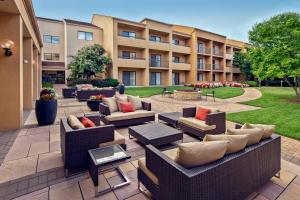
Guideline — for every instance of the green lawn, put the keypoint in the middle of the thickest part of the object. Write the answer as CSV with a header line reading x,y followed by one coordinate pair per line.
x,y
277,108
223,92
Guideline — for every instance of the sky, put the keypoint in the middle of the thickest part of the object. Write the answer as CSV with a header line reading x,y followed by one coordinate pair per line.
x,y
232,18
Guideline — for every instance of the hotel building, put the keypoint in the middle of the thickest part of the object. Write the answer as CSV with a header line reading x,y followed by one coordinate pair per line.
x,y
143,53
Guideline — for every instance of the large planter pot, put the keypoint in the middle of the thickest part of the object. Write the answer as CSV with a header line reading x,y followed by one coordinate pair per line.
x,y
45,111
121,89
93,104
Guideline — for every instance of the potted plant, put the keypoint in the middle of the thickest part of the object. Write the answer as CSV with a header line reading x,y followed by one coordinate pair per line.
x,y
93,102
46,107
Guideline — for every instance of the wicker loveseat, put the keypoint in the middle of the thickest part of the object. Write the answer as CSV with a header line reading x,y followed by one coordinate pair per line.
x,y
233,177
76,143
215,123
126,119
83,95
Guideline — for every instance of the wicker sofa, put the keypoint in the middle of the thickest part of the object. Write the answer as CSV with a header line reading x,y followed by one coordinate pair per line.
x,y
126,119
83,95
215,123
233,177
76,143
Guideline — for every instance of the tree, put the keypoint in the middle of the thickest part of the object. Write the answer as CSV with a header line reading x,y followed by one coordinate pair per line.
x,y
240,60
275,49
89,61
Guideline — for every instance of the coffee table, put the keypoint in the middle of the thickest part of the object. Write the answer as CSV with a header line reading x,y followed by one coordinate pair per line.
x,y
156,134
170,118
102,157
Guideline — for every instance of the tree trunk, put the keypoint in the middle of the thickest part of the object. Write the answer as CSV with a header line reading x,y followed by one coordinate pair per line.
x,y
295,87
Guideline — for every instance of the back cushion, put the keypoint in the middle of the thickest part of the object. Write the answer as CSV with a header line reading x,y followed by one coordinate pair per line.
x,y
74,122
136,102
126,107
235,142
255,134
268,129
121,98
201,113
194,154
87,122
111,103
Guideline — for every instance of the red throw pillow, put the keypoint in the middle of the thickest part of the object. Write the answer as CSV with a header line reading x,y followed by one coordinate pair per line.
x,y
126,107
87,123
202,113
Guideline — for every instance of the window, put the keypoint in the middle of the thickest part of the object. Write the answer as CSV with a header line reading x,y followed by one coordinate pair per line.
x,y
200,63
129,34
215,49
175,78
155,78
81,35
215,64
200,77
128,55
129,77
51,39
155,38
176,59
155,60
51,56
175,41
201,47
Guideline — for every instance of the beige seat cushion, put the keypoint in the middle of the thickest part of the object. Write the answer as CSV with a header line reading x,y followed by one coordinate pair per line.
x,y
111,103
74,122
196,123
130,115
268,129
119,139
121,98
136,102
142,164
235,142
255,134
194,154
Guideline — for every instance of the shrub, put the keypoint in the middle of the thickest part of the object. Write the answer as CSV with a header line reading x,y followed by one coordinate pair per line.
x,y
252,83
110,82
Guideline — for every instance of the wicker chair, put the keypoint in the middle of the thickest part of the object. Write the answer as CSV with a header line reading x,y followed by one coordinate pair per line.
x,y
233,177
218,119
76,143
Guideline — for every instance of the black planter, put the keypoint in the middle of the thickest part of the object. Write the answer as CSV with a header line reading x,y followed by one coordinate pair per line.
x,y
121,89
45,111
93,104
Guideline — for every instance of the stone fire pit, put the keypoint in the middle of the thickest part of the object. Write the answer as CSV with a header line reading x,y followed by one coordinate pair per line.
x,y
187,94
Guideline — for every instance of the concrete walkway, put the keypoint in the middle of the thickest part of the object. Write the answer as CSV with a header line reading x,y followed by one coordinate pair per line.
x,y
249,95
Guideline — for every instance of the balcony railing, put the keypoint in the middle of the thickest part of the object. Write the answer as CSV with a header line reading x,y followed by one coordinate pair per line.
x,y
160,41
131,58
181,44
204,50
203,66
133,37
217,67
158,63
178,62
218,53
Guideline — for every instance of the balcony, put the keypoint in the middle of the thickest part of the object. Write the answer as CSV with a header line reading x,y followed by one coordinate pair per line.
x,y
159,45
159,63
235,69
181,66
204,51
203,67
181,48
229,56
217,67
218,53
131,41
132,62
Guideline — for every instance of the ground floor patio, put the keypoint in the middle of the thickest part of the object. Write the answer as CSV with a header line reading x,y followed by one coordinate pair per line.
x,y
32,166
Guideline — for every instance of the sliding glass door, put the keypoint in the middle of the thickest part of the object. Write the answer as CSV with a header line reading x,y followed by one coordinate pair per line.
x,y
155,78
176,78
129,78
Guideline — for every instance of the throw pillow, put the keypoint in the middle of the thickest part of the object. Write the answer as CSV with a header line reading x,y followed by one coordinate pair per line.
x,y
74,122
268,129
136,101
111,103
121,98
87,122
199,153
202,113
235,142
255,134
126,107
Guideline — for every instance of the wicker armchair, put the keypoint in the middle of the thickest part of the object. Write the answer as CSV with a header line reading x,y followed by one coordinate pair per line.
x,y
76,143
218,119
105,112
233,177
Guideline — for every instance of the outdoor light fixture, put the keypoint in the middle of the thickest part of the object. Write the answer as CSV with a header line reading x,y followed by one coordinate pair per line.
x,y
7,45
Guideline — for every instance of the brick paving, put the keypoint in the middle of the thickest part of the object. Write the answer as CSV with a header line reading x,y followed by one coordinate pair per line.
x,y
32,166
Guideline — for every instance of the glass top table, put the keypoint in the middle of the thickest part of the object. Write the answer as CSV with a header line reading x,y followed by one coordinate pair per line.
x,y
103,156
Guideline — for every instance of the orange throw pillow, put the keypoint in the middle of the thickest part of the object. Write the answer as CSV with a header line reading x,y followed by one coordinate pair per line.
x,y
87,123
202,113
126,107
